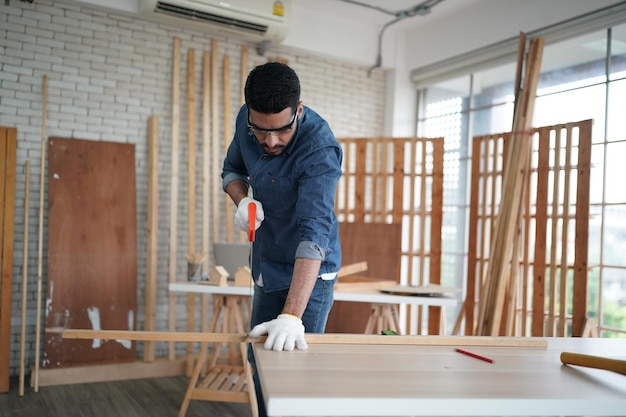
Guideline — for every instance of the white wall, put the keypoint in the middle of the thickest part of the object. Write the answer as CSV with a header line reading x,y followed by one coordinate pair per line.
x,y
107,73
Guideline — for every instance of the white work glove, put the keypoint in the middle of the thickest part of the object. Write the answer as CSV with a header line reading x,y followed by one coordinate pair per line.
x,y
241,216
283,333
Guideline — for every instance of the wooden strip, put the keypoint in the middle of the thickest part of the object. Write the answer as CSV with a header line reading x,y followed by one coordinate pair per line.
x,y
359,179
376,177
435,314
5,288
191,153
215,132
385,179
579,299
205,182
24,279
554,229
311,338
243,73
398,179
174,189
563,269
42,173
228,136
152,238
541,219
473,262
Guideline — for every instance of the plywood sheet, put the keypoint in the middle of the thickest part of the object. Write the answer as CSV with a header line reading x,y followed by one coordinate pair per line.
x,y
92,249
379,245
8,157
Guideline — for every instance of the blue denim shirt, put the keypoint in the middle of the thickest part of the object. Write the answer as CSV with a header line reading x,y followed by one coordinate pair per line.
x,y
297,189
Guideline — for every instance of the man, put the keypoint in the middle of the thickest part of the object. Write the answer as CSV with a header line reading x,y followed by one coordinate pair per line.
x,y
290,158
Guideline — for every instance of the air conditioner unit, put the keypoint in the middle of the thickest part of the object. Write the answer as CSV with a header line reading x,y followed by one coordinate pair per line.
x,y
261,20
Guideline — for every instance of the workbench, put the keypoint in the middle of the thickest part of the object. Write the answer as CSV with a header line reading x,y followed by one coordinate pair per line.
x,y
383,315
412,380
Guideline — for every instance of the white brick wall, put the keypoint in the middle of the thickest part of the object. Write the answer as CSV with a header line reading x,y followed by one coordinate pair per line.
x,y
107,73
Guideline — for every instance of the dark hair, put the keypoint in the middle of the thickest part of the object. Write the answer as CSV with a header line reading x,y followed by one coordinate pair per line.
x,y
271,88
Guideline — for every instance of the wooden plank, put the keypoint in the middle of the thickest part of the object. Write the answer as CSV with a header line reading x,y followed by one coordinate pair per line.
x,y
152,234
311,338
24,278
112,372
191,153
40,232
8,158
353,268
579,298
228,137
215,133
206,185
92,248
173,241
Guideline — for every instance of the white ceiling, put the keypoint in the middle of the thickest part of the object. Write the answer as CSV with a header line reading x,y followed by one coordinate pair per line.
x,y
350,11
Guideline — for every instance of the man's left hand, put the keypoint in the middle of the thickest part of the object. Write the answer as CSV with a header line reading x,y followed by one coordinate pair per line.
x,y
283,333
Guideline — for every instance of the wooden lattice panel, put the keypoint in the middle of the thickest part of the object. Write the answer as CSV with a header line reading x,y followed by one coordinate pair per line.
x,y
399,181
550,281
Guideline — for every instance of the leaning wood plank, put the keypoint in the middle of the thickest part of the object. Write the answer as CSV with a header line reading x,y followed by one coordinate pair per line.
x,y
24,280
215,131
42,167
191,152
228,135
174,189
205,181
112,372
9,158
327,338
352,269
153,228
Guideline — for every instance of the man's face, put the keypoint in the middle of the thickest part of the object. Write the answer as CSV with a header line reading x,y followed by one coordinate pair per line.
x,y
274,131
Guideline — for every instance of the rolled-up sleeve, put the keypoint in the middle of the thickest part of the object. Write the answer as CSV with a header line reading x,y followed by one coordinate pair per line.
x,y
310,250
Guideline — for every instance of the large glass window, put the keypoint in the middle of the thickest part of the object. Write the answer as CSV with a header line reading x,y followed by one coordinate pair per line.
x,y
581,78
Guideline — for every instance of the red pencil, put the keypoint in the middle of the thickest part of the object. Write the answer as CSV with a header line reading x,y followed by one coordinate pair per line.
x,y
474,355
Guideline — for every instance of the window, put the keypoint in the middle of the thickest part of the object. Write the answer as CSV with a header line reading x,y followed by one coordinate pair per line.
x,y
582,77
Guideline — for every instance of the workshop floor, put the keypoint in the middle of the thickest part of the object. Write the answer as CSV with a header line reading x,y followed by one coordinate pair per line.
x,y
155,397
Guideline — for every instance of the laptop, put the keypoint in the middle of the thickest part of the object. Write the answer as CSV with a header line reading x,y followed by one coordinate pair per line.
x,y
231,256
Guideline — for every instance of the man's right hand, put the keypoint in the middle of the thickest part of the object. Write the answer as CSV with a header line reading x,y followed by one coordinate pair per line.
x,y
241,216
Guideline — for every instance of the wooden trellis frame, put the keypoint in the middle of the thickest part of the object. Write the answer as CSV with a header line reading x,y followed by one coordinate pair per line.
x,y
552,253
399,180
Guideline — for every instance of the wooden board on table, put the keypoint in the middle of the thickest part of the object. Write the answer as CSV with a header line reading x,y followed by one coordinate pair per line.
x,y
358,283
420,290
379,244
92,249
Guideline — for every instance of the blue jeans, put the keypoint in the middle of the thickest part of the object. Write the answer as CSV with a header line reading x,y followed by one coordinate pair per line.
x,y
266,306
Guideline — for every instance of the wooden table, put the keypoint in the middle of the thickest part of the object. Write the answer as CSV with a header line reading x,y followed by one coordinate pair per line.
x,y
377,380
